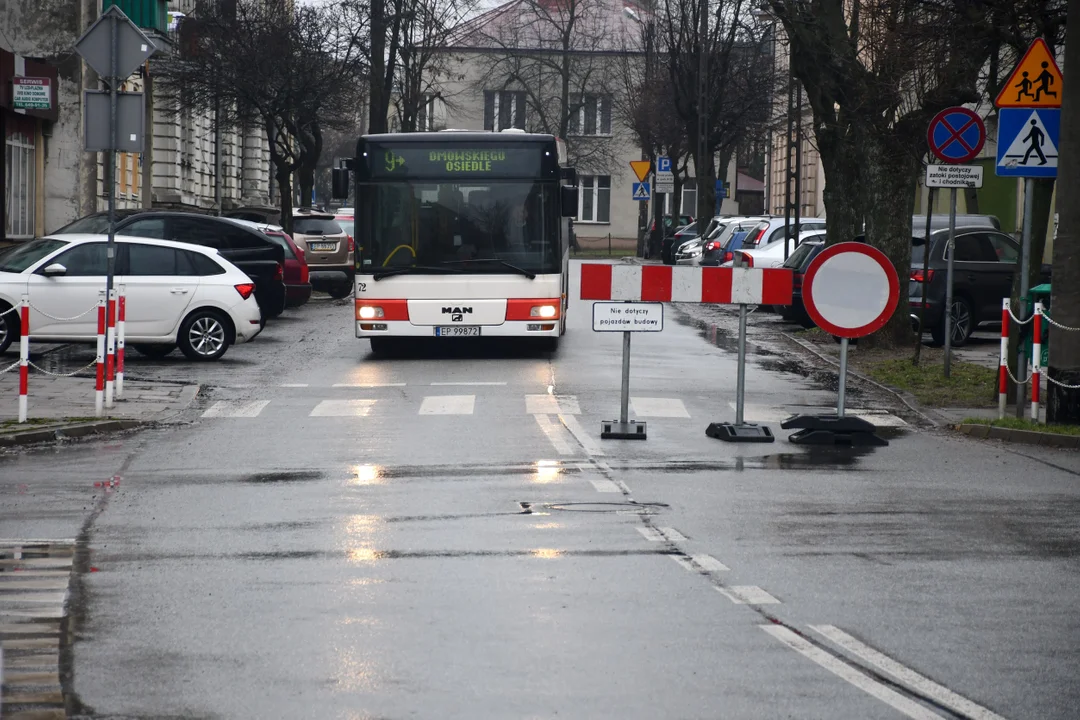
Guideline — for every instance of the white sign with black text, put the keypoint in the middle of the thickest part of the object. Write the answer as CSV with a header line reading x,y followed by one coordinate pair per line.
x,y
664,182
954,176
627,317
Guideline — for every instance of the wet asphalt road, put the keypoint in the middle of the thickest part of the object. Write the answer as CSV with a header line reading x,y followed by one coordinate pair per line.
x,y
445,536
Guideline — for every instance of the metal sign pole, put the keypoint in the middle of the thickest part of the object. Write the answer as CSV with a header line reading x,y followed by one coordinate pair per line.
x,y
740,382
950,250
624,403
1025,271
110,165
842,383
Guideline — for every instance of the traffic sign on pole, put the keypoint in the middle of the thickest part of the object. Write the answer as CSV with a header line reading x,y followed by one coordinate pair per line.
x,y
133,48
1028,142
1035,81
641,191
663,164
640,168
665,182
956,135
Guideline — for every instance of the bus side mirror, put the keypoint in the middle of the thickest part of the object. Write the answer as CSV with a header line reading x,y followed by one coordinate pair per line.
x,y
340,183
568,198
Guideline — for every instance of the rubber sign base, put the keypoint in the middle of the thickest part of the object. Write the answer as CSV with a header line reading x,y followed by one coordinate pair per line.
x,y
615,430
833,430
747,432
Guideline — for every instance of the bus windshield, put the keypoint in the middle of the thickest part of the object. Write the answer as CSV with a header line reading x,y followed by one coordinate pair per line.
x,y
471,226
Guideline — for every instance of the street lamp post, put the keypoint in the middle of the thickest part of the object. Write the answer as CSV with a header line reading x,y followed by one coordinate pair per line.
x,y
701,169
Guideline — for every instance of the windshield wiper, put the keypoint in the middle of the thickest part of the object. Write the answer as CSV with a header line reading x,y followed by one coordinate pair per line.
x,y
515,268
380,274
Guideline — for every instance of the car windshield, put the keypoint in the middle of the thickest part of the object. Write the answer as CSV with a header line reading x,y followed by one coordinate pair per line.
x,y
91,224
473,227
23,256
796,258
316,226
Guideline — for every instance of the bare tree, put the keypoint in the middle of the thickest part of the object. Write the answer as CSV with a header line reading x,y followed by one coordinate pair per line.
x,y
295,71
552,62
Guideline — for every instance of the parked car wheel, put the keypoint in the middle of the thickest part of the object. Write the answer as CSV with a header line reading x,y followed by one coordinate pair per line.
x,y
154,351
340,290
963,324
9,326
204,335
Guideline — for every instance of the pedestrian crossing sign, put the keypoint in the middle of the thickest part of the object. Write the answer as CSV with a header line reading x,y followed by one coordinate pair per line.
x,y
1027,142
1035,82
641,191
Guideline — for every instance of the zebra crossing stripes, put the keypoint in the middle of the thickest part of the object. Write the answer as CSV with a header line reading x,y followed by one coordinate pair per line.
x,y
34,577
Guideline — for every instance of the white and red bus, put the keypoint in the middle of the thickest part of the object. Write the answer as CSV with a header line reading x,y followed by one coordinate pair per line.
x,y
461,235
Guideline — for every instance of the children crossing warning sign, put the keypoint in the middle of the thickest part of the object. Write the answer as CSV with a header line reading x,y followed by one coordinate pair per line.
x,y
1036,81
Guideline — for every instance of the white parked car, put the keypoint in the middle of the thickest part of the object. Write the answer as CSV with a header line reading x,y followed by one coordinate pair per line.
x,y
772,255
177,294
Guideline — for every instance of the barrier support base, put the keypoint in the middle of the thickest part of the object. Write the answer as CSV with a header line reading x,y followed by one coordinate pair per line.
x,y
833,430
747,432
615,430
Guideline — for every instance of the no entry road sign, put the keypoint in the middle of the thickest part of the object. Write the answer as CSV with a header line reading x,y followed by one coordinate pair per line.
x,y
851,290
956,135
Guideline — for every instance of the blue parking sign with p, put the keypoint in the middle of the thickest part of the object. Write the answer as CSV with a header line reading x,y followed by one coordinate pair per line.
x,y
663,164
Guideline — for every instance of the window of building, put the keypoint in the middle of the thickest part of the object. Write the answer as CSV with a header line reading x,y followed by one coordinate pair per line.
x,y
504,109
593,116
595,205
20,181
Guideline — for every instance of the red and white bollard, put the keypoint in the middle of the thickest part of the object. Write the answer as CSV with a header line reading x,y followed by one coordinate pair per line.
x,y
24,356
99,387
121,315
110,349
1036,360
1003,361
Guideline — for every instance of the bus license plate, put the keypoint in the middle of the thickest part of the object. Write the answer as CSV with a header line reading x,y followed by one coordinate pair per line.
x,y
324,246
457,331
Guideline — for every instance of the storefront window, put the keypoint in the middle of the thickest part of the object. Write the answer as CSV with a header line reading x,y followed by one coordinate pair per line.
x,y
19,168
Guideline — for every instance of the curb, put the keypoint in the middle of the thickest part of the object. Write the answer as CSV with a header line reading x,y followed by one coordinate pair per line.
x,y
77,430
899,395
1025,437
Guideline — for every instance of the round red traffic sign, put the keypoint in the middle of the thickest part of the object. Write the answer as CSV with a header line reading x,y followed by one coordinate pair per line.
x,y
956,135
850,289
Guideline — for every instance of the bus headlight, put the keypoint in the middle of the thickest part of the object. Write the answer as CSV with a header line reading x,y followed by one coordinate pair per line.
x,y
543,311
369,312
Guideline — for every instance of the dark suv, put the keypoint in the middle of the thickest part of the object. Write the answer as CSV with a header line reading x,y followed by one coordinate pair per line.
x,y
259,257
983,267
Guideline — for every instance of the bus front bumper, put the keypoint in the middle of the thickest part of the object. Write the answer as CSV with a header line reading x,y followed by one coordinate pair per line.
x,y
404,328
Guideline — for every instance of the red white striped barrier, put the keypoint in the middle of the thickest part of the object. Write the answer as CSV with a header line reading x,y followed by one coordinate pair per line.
x,y
99,387
662,283
24,356
121,316
1036,361
110,349
1003,360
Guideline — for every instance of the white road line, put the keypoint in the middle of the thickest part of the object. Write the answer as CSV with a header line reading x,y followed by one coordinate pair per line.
x,y
920,683
448,405
367,385
583,437
747,595
28,598
230,409
343,408
605,486
552,405
435,384
685,563
555,434
841,669
650,534
673,535
709,564
658,407
294,385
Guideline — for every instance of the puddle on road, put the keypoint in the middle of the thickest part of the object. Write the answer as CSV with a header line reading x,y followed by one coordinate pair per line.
x,y
373,555
721,338
288,476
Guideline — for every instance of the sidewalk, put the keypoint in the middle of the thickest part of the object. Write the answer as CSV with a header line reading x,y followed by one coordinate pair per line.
x,y
64,406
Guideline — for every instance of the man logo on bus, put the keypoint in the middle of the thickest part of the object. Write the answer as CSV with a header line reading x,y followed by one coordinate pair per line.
x,y
457,314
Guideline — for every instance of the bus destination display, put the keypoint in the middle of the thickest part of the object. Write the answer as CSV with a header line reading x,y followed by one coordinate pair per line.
x,y
430,162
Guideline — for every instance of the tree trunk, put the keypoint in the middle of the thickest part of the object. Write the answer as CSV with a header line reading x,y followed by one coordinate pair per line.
x,y
284,182
889,173
379,101
1063,404
843,192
